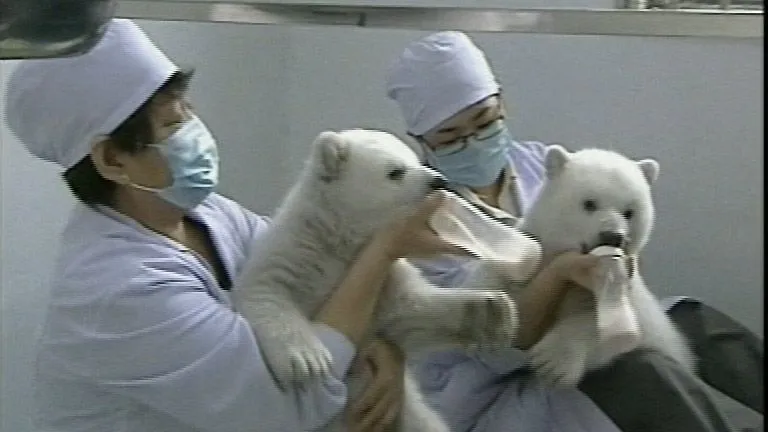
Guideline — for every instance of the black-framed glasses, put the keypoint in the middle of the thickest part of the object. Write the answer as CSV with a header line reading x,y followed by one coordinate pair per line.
x,y
483,133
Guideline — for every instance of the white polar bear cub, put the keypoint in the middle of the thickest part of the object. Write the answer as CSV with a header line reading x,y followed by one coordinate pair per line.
x,y
596,197
354,183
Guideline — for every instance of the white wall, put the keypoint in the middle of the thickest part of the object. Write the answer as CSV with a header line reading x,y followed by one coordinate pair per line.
x,y
694,104
31,203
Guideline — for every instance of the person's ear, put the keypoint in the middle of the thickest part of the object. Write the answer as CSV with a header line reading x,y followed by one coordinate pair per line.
x,y
107,161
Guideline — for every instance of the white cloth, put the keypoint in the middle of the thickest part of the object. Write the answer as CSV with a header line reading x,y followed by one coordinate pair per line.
x,y
58,107
141,337
508,200
513,253
436,77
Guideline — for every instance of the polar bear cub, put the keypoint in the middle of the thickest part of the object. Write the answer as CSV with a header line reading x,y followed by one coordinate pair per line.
x,y
354,183
590,198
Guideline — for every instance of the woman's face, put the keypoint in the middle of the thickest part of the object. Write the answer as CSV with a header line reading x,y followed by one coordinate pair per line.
x,y
465,123
167,113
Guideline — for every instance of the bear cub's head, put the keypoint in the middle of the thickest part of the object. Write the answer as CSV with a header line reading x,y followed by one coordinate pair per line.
x,y
593,197
368,176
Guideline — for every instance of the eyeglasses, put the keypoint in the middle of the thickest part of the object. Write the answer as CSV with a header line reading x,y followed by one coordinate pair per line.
x,y
481,134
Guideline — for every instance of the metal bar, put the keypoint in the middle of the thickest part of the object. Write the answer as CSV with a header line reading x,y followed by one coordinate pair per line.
x,y
620,22
742,5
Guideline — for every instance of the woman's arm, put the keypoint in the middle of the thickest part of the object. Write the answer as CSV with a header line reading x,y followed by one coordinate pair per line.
x,y
350,309
539,301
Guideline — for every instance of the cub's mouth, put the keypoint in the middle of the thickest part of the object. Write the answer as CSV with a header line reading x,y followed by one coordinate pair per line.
x,y
612,241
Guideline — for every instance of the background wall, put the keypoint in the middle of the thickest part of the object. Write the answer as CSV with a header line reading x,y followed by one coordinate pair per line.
x,y
695,105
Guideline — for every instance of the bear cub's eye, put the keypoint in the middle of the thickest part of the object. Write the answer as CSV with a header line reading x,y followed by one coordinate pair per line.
x,y
396,174
590,205
628,214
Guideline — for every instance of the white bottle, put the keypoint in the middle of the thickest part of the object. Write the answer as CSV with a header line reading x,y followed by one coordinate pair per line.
x,y
617,324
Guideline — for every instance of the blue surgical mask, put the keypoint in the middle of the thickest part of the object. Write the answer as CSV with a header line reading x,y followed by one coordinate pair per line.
x,y
193,160
475,161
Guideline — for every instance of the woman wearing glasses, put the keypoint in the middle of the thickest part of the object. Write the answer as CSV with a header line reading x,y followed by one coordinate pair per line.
x,y
452,106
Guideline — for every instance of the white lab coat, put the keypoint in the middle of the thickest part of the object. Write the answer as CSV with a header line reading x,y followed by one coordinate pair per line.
x,y
492,391
139,336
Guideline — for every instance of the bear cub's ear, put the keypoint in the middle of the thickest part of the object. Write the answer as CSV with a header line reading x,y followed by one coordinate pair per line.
x,y
555,159
650,169
332,152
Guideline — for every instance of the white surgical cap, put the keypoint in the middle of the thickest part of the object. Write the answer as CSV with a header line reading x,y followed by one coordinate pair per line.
x,y
58,107
438,76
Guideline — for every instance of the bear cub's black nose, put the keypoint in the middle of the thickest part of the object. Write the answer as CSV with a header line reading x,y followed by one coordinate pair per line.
x,y
438,183
610,238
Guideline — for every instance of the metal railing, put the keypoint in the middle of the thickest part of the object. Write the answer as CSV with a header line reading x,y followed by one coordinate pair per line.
x,y
692,4
42,28
621,21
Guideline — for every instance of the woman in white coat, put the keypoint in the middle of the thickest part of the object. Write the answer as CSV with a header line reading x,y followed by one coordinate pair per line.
x,y
140,334
452,105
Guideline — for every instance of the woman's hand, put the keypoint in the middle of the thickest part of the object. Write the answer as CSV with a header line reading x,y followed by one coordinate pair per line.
x,y
412,237
538,303
583,269
576,267
380,404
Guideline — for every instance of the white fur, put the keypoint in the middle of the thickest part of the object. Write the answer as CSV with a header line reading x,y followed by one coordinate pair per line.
x,y
354,183
588,192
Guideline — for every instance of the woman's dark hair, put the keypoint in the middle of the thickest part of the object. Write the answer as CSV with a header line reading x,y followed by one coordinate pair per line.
x,y
132,136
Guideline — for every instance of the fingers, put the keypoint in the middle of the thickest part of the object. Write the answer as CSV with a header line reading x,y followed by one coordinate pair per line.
x,y
430,205
586,261
579,268
368,353
392,415
424,241
380,404
379,416
574,261
372,396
